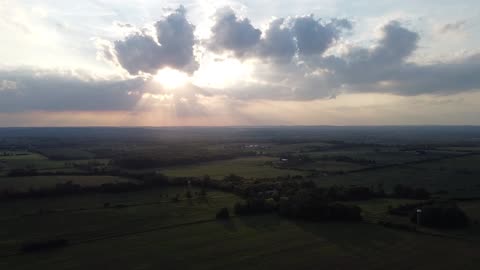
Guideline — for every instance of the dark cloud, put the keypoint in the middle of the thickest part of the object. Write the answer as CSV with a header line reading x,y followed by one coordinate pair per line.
x,y
140,52
56,91
296,66
278,43
315,37
233,34
386,68
397,44
281,41
447,77
361,65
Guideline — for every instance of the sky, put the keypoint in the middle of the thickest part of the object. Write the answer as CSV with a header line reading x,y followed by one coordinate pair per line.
x,y
249,62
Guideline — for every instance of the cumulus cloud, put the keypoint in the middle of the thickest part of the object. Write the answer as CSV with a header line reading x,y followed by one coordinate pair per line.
x,y
386,68
282,39
279,42
396,44
172,47
288,58
233,34
315,37
362,65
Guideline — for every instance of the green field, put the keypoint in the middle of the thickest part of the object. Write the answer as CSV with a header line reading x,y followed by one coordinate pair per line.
x,y
161,227
276,149
19,155
251,167
67,153
150,232
330,166
43,164
84,217
382,156
458,176
463,148
49,181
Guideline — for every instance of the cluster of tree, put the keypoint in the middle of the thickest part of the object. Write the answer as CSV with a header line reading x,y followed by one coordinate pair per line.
x,y
401,191
9,154
94,166
308,205
146,161
254,206
305,204
34,172
22,172
408,208
67,188
62,153
339,193
282,187
223,214
441,215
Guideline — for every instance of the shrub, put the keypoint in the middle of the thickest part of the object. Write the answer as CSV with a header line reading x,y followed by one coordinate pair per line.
x,y
445,215
253,206
223,213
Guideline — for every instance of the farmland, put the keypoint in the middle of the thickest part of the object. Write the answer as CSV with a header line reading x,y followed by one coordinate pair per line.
x,y
255,167
458,176
49,181
150,202
155,232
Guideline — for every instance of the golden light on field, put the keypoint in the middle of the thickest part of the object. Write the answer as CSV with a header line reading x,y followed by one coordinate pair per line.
x,y
171,78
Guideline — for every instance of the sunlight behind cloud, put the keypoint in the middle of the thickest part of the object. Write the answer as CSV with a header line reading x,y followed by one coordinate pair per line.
x,y
222,73
171,78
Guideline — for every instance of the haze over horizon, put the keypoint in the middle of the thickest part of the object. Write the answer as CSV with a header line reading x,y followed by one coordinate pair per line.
x,y
235,63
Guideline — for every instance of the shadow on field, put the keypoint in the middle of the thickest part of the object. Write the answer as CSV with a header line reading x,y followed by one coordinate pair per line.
x,y
261,222
229,224
349,235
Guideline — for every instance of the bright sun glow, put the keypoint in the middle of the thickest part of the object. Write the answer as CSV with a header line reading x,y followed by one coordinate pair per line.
x,y
171,78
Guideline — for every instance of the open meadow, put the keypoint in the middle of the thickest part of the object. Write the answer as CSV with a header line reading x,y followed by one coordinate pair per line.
x,y
154,203
148,229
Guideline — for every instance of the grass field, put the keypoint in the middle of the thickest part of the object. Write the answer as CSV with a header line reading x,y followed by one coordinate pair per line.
x,y
463,149
251,167
67,153
330,166
382,157
276,149
43,164
148,229
16,155
83,217
472,208
458,176
24,183
184,235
